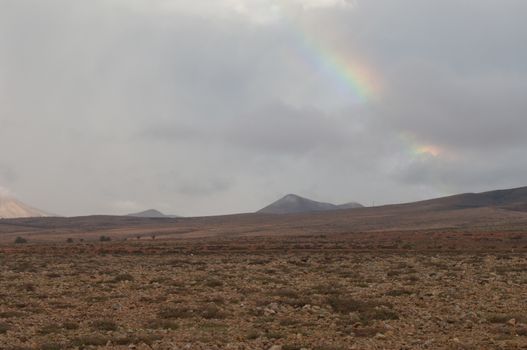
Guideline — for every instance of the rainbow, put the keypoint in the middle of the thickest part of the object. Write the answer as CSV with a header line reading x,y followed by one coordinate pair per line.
x,y
351,77
418,149
354,79
428,150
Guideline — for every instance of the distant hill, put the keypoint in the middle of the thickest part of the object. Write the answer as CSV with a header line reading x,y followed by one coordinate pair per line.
x,y
510,199
296,204
500,212
350,205
151,213
11,208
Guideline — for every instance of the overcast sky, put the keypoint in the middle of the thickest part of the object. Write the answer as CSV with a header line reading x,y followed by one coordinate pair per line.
x,y
222,106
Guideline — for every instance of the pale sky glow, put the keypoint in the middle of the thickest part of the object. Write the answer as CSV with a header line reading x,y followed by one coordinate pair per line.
x,y
251,6
215,107
258,11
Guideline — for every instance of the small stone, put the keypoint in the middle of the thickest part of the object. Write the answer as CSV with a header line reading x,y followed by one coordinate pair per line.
x,y
274,306
354,317
269,311
512,322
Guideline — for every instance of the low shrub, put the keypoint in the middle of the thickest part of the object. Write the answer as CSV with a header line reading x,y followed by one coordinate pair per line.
x,y
20,240
87,340
123,277
104,325
4,327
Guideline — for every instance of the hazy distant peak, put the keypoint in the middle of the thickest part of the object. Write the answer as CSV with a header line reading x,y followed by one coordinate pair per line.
x,y
151,213
350,205
11,208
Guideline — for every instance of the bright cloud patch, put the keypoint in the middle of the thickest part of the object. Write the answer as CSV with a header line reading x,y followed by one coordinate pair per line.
x,y
254,10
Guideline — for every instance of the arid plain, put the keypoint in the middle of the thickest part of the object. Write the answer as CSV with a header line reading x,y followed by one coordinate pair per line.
x,y
434,275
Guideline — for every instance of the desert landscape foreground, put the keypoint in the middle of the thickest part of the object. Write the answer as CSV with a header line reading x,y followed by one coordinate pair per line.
x,y
449,273
310,292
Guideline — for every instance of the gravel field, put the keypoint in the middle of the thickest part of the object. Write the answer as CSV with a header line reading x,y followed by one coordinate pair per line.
x,y
168,295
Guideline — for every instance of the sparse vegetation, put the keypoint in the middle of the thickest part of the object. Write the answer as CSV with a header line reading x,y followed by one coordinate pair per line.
x,y
292,347
87,340
123,277
211,311
175,312
162,324
4,327
50,328
213,282
51,346
70,325
11,314
169,295
20,240
504,318
398,292
104,325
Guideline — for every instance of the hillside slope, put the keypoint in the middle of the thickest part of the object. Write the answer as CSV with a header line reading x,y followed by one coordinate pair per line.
x,y
296,204
12,208
501,212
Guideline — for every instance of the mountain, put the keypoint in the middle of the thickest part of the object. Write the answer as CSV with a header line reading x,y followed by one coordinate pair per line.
x,y
487,215
350,205
151,213
296,204
11,208
514,199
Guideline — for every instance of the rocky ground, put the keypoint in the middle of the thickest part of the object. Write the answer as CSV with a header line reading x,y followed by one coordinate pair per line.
x,y
166,295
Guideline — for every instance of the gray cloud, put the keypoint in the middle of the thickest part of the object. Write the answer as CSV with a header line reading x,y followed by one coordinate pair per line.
x,y
114,106
274,129
7,174
279,129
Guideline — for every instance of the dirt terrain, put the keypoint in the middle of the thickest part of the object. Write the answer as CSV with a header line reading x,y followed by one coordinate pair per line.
x,y
300,292
369,221
444,274
489,216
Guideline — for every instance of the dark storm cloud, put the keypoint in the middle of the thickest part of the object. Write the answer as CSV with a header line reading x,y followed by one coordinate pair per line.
x,y
114,106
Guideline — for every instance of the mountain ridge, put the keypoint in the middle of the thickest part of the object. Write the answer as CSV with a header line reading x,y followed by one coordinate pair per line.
x,y
486,213
293,203
12,208
509,199
151,213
